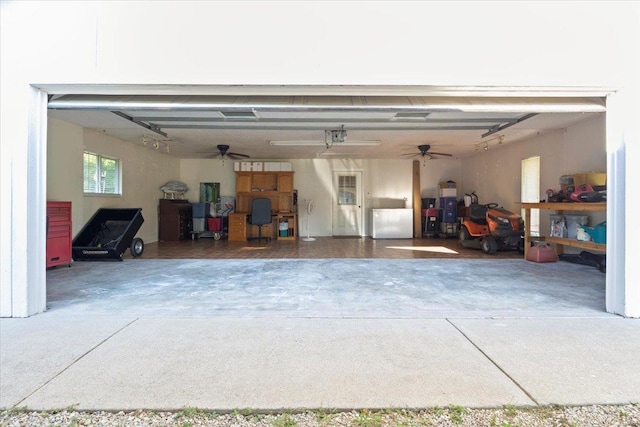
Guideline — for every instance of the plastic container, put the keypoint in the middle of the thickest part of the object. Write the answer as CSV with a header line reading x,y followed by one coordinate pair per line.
x,y
598,233
428,203
541,252
558,226
200,210
283,227
198,224
572,222
214,224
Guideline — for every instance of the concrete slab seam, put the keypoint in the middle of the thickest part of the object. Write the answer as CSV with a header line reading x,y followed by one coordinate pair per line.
x,y
495,364
74,362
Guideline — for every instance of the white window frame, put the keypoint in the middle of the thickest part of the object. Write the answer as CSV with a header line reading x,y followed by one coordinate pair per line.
x,y
99,184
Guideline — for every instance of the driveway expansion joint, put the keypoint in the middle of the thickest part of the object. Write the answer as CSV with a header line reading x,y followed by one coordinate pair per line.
x,y
17,405
513,380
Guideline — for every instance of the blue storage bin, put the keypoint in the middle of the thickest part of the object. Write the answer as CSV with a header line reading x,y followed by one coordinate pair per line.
x,y
200,210
449,216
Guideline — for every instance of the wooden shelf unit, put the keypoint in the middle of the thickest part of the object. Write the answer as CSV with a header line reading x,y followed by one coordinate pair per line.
x,y
277,186
274,185
560,208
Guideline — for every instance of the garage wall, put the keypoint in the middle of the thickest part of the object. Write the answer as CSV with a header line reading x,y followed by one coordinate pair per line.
x,y
64,167
143,172
385,184
434,171
495,174
195,171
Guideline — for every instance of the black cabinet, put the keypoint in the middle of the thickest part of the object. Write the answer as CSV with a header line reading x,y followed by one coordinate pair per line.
x,y
174,220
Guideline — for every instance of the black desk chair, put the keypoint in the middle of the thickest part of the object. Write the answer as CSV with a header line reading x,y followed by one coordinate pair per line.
x,y
260,215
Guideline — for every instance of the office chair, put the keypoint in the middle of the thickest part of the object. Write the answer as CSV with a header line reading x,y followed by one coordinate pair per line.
x,y
260,215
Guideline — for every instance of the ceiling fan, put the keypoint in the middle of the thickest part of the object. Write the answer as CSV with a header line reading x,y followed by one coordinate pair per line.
x,y
426,154
223,152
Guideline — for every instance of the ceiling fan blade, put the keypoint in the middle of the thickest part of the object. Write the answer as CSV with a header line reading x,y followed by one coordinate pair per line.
x,y
440,154
238,156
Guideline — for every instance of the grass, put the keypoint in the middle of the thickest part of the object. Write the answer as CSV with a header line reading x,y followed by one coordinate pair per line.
x,y
285,420
191,412
366,418
456,414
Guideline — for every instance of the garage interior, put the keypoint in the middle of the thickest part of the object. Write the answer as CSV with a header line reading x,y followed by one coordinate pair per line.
x,y
174,138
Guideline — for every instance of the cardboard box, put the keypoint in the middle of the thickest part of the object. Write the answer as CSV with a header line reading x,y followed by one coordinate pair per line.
x,y
236,166
272,166
285,166
448,192
257,166
448,184
245,166
591,178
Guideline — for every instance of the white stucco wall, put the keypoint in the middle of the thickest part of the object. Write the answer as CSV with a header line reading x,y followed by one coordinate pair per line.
x,y
108,47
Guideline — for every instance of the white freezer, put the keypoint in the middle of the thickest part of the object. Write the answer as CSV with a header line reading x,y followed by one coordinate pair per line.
x,y
391,223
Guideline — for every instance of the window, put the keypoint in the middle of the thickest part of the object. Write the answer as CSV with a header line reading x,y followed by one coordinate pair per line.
x,y
101,174
347,190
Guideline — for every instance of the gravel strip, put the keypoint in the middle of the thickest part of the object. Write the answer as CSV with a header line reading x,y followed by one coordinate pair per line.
x,y
547,416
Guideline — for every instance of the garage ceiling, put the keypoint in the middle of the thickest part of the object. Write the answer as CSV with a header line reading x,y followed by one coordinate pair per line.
x,y
381,127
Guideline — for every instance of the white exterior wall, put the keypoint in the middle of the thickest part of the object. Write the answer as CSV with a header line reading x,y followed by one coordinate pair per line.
x,y
102,46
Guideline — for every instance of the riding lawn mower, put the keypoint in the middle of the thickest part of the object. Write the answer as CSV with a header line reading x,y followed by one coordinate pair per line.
x,y
492,228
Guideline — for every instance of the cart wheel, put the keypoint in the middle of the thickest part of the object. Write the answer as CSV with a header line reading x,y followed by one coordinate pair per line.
x,y
137,247
216,236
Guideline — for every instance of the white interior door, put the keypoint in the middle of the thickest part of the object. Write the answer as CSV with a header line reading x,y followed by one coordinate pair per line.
x,y
347,204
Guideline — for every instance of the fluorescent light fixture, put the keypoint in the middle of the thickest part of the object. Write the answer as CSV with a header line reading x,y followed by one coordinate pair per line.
x,y
336,154
322,143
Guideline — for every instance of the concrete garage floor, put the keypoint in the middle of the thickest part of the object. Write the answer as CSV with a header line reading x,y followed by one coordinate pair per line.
x,y
327,288
296,334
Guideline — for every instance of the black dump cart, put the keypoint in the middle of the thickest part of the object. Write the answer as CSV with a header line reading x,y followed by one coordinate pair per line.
x,y
108,234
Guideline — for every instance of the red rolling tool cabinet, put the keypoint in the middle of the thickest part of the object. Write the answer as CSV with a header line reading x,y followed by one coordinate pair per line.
x,y
58,234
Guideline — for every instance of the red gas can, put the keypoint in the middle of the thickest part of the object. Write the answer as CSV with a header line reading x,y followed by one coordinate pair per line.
x,y
542,252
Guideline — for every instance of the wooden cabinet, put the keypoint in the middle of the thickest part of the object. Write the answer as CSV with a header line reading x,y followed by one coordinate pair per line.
x,y
237,227
174,220
277,187
58,234
560,208
291,219
243,182
285,182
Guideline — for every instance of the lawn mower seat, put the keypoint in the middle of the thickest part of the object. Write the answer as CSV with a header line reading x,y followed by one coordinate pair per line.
x,y
478,213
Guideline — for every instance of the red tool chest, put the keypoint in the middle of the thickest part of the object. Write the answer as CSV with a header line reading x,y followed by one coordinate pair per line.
x,y
58,233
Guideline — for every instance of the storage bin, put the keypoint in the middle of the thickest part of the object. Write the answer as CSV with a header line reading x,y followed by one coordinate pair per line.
x,y
448,184
448,192
198,224
572,223
558,226
200,210
449,216
214,224
449,228
598,233
449,203
591,178
428,203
